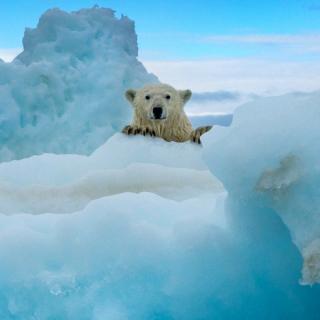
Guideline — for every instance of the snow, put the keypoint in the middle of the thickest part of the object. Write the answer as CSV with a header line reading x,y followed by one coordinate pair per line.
x,y
67,183
74,66
117,153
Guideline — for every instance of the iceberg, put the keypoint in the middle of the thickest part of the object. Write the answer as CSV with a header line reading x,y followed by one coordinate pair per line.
x,y
64,92
141,229
268,159
105,236
98,225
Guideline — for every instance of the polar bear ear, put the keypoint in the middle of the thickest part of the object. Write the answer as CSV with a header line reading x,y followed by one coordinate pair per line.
x,y
130,95
185,95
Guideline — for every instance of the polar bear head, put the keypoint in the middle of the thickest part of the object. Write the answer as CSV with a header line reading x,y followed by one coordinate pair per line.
x,y
157,102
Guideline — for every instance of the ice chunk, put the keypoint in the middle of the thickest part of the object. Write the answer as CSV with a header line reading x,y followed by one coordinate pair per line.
x,y
172,183
64,92
142,256
118,152
136,255
67,183
270,156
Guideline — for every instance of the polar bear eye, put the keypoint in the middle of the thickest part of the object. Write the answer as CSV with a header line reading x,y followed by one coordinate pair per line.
x,y
168,97
147,97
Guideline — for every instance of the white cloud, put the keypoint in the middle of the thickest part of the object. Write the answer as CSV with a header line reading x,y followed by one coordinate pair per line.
x,y
251,76
247,77
215,102
242,78
218,96
9,54
297,44
277,39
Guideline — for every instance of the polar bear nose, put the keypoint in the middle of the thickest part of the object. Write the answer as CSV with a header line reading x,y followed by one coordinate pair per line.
x,y
157,112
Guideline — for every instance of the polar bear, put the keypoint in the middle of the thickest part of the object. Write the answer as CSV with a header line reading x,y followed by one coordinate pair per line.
x,y
158,112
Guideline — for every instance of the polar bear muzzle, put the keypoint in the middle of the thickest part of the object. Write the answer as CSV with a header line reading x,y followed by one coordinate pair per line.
x,y
157,113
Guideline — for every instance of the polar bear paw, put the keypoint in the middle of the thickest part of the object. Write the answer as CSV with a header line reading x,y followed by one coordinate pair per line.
x,y
134,130
197,133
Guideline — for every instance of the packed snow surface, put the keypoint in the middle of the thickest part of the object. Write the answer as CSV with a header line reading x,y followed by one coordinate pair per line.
x,y
64,92
67,183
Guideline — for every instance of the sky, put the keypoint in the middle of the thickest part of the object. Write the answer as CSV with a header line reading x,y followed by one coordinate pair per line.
x,y
245,48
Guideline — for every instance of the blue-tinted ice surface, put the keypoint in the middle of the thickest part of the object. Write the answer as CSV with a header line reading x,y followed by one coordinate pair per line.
x,y
141,228
143,251
122,234
270,156
64,92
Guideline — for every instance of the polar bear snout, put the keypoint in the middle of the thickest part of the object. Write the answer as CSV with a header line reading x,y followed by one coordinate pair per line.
x,y
157,112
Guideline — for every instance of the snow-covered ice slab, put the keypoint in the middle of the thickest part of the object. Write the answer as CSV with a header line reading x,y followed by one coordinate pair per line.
x,y
121,256
172,183
67,183
118,152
